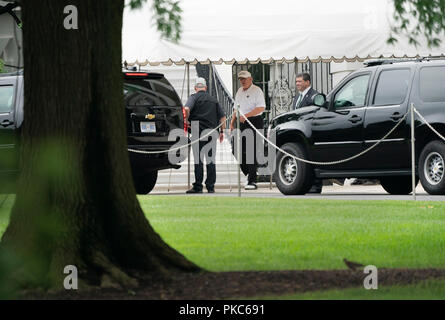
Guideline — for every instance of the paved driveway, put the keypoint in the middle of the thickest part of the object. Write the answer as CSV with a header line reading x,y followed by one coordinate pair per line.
x,y
374,192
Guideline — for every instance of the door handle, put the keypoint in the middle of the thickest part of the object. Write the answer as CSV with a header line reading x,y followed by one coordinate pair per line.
x,y
6,123
355,118
396,116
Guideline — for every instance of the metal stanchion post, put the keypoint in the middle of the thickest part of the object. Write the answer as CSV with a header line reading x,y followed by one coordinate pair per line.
x,y
413,153
270,186
238,148
188,135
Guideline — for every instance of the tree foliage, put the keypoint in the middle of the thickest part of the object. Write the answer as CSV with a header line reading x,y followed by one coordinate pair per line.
x,y
2,65
419,18
167,15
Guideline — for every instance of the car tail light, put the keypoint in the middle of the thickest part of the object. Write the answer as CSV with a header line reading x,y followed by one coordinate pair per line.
x,y
184,116
136,74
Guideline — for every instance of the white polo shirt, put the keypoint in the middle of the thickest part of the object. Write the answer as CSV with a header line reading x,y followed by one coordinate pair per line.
x,y
250,99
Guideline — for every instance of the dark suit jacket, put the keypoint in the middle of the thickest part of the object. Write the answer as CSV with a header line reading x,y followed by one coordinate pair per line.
x,y
308,99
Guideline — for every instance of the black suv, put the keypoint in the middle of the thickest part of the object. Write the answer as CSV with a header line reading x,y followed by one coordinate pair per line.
x,y
152,107
360,111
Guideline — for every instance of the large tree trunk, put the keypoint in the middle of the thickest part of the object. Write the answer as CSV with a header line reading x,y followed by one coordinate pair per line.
x,y
76,203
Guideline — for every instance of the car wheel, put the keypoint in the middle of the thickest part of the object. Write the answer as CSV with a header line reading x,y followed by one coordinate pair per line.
x,y
432,168
293,177
144,184
398,185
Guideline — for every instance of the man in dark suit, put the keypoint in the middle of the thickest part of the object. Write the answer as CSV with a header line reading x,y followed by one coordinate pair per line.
x,y
306,93
303,99
207,112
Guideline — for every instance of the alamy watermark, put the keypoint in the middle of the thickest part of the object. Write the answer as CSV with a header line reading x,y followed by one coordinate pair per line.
x,y
252,146
71,21
371,280
71,280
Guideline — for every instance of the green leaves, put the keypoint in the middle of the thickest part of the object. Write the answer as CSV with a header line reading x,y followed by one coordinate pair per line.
x,y
428,22
167,14
2,65
136,4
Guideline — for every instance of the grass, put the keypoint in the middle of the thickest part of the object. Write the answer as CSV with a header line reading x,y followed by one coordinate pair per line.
x,y
231,234
6,202
228,234
426,290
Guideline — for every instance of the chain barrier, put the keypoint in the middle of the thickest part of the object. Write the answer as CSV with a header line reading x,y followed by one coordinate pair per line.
x,y
181,147
291,155
430,126
326,163
283,151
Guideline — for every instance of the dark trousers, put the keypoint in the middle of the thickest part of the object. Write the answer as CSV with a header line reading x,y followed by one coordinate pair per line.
x,y
249,169
209,155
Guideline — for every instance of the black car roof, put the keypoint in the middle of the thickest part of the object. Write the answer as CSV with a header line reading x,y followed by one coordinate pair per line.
x,y
381,62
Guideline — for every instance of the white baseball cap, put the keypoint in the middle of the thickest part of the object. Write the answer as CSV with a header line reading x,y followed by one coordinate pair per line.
x,y
244,74
200,82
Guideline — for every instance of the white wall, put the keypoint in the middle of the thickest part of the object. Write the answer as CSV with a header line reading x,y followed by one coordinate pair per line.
x,y
341,70
225,72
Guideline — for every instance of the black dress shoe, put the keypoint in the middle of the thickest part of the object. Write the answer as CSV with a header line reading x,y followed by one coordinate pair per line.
x,y
193,190
211,190
317,186
315,189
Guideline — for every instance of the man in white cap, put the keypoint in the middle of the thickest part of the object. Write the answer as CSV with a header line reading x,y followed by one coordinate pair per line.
x,y
250,98
206,110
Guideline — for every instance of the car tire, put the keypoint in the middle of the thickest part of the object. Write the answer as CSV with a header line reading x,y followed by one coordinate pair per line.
x,y
432,168
144,184
399,185
293,177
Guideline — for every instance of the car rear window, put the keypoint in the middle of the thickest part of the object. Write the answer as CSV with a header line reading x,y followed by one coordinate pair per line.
x,y
392,87
150,92
6,98
432,84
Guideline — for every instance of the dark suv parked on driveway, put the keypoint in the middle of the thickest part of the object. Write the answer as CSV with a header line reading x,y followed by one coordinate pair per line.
x,y
152,107
360,111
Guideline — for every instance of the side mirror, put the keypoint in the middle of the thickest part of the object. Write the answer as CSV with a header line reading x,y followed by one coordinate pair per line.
x,y
320,100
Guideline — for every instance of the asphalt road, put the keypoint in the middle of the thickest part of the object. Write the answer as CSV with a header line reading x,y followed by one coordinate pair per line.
x,y
175,182
374,192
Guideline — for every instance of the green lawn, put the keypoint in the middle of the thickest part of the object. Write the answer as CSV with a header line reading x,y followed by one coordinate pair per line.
x,y
6,202
223,234
427,290
228,234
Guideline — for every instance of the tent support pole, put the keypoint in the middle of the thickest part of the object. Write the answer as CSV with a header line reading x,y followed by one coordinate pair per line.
x,y
238,148
210,79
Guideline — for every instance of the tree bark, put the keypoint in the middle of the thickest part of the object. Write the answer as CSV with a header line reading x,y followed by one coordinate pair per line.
x,y
76,203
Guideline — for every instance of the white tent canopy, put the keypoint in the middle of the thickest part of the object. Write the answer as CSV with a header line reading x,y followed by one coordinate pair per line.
x,y
264,31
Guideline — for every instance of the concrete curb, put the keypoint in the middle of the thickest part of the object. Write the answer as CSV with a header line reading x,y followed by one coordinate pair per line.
x,y
176,187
